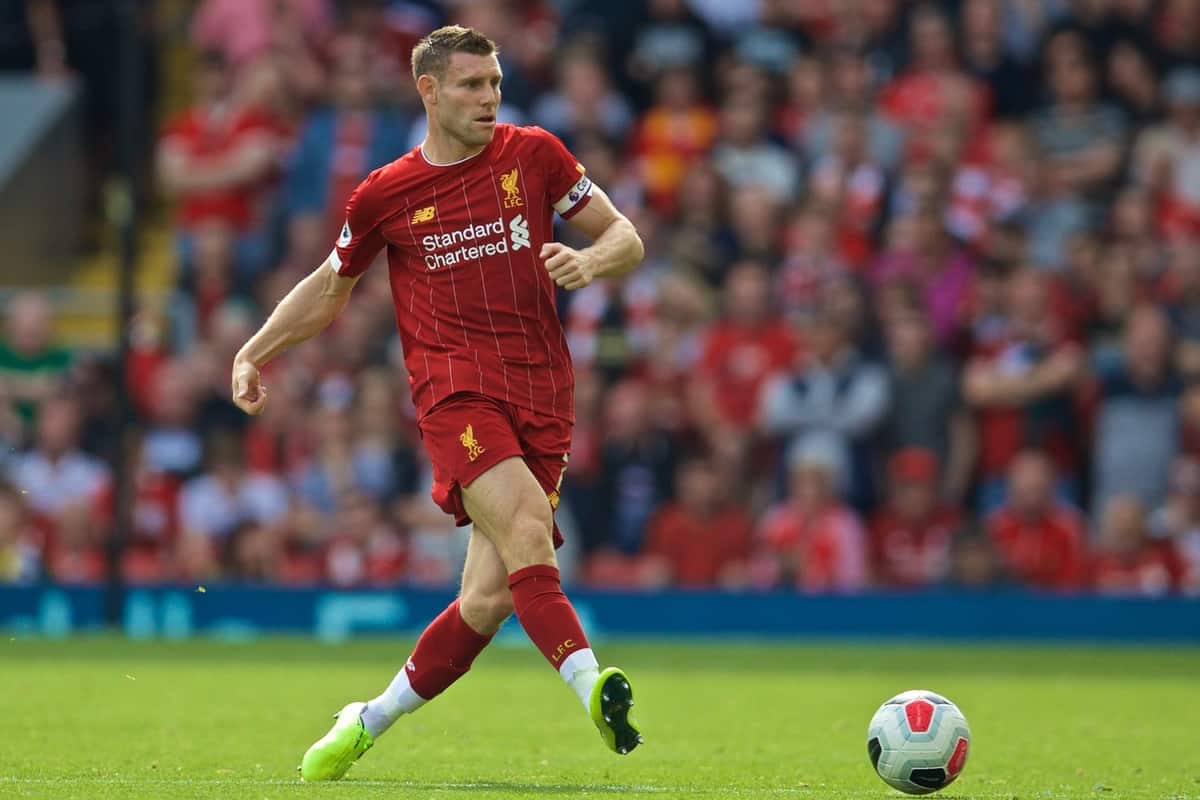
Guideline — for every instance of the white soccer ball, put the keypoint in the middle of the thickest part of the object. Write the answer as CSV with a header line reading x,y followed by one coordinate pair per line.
x,y
918,741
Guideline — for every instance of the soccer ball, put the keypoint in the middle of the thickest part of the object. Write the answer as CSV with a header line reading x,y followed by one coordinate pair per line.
x,y
918,742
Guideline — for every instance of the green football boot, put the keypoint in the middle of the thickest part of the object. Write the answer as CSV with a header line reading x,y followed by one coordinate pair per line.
x,y
609,705
334,753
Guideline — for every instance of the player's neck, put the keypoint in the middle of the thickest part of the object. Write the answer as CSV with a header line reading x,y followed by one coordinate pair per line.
x,y
442,150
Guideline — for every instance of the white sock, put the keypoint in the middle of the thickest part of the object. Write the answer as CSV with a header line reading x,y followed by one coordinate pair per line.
x,y
398,698
581,672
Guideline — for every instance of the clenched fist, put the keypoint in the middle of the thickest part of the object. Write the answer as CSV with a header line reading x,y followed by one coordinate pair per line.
x,y
248,392
570,268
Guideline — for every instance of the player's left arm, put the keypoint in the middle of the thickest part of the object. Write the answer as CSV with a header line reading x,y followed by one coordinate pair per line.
x,y
615,250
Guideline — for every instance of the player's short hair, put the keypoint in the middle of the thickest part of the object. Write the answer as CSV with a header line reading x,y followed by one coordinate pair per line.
x,y
432,54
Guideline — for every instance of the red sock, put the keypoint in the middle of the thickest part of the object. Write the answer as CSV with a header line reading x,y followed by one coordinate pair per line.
x,y
443,653
545,612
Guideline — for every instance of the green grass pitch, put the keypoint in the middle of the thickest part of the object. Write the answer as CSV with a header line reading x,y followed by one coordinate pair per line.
x,y
105,718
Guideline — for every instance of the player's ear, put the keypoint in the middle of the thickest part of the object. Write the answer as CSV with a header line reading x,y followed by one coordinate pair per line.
x,y
427,88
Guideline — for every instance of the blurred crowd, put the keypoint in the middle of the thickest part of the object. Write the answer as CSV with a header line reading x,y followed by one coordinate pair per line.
x,y
920,306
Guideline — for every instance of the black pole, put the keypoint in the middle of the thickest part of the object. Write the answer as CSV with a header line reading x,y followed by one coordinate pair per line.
x,y
121,206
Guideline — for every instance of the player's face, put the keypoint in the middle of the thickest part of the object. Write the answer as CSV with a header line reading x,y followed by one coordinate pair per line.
x,y
468,97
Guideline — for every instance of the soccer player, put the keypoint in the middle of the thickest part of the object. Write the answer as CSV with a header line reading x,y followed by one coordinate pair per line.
x,y
466,218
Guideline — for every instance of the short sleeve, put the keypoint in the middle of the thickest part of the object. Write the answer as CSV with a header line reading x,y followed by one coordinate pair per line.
x,y
567,184
361,238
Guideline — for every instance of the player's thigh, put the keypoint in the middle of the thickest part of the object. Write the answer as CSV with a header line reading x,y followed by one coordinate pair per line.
x,y
484,601
465,435
513,511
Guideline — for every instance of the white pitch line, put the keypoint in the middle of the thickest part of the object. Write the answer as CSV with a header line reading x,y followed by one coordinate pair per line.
x,y
409,784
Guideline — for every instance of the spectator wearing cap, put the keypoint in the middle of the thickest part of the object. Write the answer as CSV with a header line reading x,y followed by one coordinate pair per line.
x,y
833,391
1166,158
700,540
1127,561
1038,539
1137,423
913,533
926,409
812,540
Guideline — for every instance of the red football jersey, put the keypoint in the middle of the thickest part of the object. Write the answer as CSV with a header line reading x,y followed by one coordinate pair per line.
x,y
474,303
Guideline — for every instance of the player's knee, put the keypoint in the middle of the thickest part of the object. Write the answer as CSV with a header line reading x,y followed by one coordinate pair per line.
x,y
530,537
485,612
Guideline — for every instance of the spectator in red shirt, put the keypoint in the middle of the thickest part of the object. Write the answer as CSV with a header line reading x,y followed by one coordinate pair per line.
x,y
365,549
215,158
1038,539
993,186
812,540
912,535
811,261
1128,561
742,350
701,540
934,95
1021,386
848,179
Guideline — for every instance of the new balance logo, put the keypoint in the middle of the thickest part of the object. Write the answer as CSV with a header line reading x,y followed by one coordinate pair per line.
x,y
423,214
519,228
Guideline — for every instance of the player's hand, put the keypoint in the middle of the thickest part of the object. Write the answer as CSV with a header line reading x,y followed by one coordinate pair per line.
x,y
248,392
570,268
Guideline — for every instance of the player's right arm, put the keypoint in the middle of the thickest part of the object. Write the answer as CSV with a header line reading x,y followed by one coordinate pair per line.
x,y
304,312
317,300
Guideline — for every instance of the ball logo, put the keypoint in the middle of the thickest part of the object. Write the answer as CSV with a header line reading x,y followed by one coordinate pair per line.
x,y
920,714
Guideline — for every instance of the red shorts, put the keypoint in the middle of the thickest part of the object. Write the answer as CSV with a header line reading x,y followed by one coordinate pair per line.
x,y
467,434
